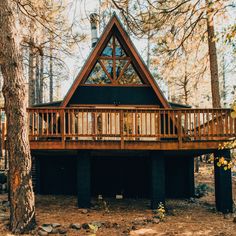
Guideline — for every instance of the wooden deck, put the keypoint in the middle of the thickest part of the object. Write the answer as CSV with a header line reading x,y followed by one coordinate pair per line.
x,y
129,129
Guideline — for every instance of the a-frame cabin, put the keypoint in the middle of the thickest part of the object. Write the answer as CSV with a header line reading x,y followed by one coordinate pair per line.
x,y
115,133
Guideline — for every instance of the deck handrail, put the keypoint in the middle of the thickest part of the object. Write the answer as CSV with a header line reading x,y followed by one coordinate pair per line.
x,y
124,124
127,124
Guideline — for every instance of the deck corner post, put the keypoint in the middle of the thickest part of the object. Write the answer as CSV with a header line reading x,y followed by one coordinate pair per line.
x,y
157,180
180,134
83,180
62,115
223,184
191,180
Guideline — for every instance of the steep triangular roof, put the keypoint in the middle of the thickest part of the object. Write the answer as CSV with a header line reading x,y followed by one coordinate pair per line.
x,y
115,27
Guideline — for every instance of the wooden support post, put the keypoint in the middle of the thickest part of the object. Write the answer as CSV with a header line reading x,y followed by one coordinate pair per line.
x,y
223,185
83,180
157,181
190,174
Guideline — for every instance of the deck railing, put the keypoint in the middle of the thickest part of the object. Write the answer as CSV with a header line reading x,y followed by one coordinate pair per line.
x,y
130,124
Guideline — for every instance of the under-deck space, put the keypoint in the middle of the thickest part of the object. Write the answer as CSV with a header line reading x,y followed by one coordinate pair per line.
x,y
111,173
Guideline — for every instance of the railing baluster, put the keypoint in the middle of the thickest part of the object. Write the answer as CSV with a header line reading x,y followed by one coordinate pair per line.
x,y
179,129
122,128
168,123
231,125
199,124
208,125
185,123
47,125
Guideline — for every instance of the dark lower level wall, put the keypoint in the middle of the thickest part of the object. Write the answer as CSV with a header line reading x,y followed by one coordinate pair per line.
x,y
129,175
179,177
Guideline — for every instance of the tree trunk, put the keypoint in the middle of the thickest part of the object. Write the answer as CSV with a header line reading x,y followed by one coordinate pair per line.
x,y
51,70
215,90
31,73
41,92
22,206
37,79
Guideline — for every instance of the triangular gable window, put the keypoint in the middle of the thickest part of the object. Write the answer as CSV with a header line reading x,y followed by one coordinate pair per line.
x,y
130,76
113,67
108,50
98,76
119,51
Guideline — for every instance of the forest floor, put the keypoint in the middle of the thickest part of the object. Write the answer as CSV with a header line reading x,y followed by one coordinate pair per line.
x,y
188,217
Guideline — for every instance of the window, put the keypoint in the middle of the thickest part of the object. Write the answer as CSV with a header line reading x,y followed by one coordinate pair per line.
x,y
113,66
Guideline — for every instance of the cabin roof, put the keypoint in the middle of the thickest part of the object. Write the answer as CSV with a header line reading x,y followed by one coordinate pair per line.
x,y
178,105
49,104
115,25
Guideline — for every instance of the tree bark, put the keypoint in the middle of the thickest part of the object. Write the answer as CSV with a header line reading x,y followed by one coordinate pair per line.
x,y
51,70
215,90
31,73
37,79
22,203
41,90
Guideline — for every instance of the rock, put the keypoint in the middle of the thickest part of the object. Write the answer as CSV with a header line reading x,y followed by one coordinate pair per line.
x,y
97,223
95,207
115,225
156,221
85,226
148,220
62,231
46,227
107,224
56,225
192,200
125,232
227,216
234,220
84,211
140,221
75,226
42,233
143,232
55,231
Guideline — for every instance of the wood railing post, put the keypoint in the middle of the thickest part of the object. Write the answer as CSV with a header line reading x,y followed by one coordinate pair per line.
x,y
62,126
122,129
180,131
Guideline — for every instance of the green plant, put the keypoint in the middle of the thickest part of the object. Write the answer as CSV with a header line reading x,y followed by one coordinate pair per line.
x,y
93,228
160,212
201,190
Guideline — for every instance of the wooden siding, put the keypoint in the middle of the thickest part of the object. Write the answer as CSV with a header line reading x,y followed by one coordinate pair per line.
x,y
110,95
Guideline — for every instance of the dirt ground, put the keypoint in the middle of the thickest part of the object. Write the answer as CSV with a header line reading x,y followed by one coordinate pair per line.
x,y
119,217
